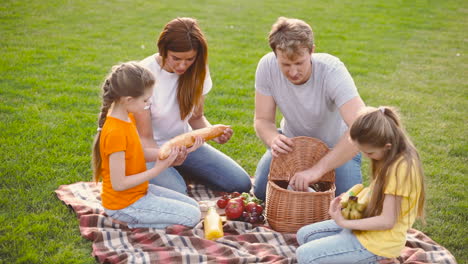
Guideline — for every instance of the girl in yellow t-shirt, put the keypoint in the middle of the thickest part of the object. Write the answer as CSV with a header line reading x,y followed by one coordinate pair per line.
x,y
397,198
119,158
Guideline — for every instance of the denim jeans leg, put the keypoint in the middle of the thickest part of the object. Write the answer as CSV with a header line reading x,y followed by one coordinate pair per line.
x,y
215,169
170,178
348,175
261,175
341,247
159,208
317,230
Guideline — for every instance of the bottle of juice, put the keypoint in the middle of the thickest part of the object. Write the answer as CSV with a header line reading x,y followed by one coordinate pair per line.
x,y
213,225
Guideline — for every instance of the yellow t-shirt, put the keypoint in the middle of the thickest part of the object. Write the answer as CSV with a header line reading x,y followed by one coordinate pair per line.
x,y
389,243
118,135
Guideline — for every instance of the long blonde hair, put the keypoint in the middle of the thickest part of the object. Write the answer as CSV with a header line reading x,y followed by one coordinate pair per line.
x,y
376,128
181,35
126,79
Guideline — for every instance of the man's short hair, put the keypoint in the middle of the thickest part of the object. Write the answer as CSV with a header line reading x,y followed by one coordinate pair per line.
x,y
291,35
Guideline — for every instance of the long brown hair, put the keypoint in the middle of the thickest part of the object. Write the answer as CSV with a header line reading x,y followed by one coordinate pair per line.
x,y
377,128
181,35
126,79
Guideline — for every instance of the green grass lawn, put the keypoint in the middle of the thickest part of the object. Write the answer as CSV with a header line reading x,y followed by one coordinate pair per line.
x,y
54,55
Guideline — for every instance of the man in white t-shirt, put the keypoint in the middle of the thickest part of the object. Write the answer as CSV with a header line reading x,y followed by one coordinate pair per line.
x,y
316,96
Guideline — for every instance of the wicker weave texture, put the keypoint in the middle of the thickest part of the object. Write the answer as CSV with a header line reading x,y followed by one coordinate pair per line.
x,y
287,211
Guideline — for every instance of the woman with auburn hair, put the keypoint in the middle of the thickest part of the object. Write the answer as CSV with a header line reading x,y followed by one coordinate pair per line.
x,y
183,80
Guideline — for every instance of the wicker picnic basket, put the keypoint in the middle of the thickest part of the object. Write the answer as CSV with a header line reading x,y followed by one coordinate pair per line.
x,y
287,210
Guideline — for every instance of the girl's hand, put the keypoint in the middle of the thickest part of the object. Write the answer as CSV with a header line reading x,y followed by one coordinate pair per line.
x,y
198,143
335,211
281,144
183,151
224,137
169,161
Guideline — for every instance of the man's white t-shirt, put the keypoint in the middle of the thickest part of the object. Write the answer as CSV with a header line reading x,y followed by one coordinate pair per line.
x,y
165,114
310,109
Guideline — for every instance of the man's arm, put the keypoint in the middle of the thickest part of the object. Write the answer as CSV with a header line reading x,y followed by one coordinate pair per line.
x,y
264,119
265,125
343,151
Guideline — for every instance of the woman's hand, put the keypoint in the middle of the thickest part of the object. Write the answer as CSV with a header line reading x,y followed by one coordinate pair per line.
x,y
224,137
281,144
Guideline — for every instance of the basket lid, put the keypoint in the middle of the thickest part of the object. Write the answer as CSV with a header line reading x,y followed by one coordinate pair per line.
x,y
307,151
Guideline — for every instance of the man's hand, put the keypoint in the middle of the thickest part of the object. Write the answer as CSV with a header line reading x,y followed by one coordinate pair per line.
x,y
281,144
303,179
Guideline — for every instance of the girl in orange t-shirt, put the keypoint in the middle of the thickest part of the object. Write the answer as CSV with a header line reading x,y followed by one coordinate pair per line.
x,y
119,158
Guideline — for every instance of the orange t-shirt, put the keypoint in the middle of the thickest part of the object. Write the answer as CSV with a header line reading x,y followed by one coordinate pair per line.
x,y
118,135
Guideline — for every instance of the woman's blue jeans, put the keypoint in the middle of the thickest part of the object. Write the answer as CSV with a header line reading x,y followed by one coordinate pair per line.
x,y
346,176
208,166
327,242
159,208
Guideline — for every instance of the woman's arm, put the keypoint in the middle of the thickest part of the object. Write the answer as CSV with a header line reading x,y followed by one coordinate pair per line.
x,y
121,182
198,120
145,129
386,220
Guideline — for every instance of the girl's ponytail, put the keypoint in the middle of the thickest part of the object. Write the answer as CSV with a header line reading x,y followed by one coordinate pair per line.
x,y
107,100
378,127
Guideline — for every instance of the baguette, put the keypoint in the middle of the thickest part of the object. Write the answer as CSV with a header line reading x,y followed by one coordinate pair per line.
x,y
188,139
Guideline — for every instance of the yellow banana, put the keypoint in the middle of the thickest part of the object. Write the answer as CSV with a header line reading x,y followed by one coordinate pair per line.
x,y
345,212
353,191
355,214
363,199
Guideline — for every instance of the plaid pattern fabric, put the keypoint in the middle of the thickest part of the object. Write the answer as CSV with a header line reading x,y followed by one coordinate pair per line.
x,y
114,242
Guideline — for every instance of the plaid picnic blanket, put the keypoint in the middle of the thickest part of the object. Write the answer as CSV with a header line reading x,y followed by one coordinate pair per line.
x,y
114,242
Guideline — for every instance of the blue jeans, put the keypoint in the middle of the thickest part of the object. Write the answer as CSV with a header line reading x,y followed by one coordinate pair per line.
x,y
327,242
159,208
208,166
346,176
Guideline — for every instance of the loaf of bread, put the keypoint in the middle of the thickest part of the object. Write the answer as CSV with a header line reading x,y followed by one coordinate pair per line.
x,y
188,139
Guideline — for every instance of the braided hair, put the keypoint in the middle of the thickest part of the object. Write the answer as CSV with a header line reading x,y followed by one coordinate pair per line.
x,y
126,79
